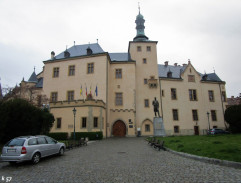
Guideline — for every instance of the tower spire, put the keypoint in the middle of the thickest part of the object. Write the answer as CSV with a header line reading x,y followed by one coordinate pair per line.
x,y
140,35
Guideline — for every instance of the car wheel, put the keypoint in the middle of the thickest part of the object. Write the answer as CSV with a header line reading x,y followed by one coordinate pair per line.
x,y
61,151
36,158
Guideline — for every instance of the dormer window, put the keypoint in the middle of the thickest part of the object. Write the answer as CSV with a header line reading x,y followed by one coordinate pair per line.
x,y
169,74
66,54
89,51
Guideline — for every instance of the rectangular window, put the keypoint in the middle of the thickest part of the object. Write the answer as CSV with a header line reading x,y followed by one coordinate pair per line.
x,y
145,81
90,68
71,70
118,99
83,122
224,99
146,102
173,93
54,97
213,115
148,48
39,100
95,122
70,95
118,73
175,114
191,78
176,129
59,122
147,128
56,72
211,95
194,115
138,48
193,95
144,60
163,94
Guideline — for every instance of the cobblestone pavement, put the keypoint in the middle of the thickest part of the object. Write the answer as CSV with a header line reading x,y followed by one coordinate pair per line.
x,y
118,161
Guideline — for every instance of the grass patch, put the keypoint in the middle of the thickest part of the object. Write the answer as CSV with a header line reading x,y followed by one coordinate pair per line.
x,y
225,147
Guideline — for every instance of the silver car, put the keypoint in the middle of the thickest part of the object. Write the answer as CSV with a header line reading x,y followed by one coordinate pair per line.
x,y
31,148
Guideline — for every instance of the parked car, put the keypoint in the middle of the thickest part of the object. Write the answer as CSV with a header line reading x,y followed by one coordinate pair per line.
x,y
31,148
217,131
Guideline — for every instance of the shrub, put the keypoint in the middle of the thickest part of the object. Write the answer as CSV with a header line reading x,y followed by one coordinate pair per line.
x,y
90,135
59,135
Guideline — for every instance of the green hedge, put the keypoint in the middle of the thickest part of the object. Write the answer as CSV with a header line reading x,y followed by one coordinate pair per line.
x,y
59,135
90,135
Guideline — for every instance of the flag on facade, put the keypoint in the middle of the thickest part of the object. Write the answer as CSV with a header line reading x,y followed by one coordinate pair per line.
x,y
81,91
86,91
96,91
90,89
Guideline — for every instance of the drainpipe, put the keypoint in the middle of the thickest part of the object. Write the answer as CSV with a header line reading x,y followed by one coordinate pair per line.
x,y
107,88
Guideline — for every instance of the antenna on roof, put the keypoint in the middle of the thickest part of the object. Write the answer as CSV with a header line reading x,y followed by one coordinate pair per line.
x,y
34,68
97,40
74,43
213,70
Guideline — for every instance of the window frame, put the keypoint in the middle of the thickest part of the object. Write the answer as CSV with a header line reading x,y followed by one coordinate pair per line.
x,y
95,122
138,48
55,72
53,96
146,103
119,99
58,123
175,115
176,129
213,115
194,114
211,96
173,93
147,127
68,96
118,73
90,68
144,61
148,48
84,122
191,95
71,70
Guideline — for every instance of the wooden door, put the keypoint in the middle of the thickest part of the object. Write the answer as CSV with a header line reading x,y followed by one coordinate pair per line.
x,y
119,129
196,130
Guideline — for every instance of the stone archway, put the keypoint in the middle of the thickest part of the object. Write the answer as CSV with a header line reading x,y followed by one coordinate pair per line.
x,y
119,129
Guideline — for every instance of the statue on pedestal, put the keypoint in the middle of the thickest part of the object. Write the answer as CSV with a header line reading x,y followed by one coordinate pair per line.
x,y
155,104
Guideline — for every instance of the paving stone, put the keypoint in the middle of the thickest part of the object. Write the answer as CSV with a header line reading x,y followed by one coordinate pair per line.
x,y
119,161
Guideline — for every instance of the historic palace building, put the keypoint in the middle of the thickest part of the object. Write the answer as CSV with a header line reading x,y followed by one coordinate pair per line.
x,y
113,92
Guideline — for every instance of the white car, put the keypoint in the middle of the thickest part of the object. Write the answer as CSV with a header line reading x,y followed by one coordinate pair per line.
x,y
31,148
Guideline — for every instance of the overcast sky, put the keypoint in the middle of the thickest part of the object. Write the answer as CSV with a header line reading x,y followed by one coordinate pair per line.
x,y
208,32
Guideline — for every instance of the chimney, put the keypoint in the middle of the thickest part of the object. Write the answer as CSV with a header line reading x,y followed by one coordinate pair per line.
x,y
166,63
175,64
232,97
184,65
52,55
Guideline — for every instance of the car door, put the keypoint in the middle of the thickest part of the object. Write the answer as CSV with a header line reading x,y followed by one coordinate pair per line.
x,y
51,146
42,146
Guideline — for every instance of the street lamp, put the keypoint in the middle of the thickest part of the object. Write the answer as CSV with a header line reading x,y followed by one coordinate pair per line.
x,y
74,111
208,121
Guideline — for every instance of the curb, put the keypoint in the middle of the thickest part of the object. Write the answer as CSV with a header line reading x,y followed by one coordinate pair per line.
x,y
207,160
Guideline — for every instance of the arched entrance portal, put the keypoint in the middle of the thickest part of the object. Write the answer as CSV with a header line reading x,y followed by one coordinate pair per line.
x,y
119,129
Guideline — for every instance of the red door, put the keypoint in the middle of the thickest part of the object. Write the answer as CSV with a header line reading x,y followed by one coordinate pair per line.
x,y
119,129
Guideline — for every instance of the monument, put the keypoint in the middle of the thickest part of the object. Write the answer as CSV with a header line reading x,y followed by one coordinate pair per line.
x,y
158,125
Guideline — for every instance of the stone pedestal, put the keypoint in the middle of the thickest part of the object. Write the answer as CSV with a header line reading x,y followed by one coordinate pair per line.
x,y
158,125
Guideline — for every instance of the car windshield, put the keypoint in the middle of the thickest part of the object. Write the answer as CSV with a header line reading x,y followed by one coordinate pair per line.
x,y
16,142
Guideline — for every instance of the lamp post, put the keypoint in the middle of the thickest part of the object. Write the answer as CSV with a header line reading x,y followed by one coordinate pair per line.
x,y
74,111
208,121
